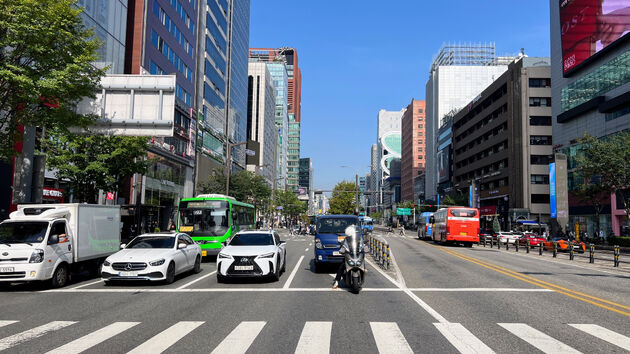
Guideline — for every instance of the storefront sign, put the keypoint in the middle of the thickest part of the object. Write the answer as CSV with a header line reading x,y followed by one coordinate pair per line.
x,y
52,193
488,210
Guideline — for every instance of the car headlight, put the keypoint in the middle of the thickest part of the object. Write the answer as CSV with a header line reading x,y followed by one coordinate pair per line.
x,y
37,256
225,256
158,262
358,262
106,263
267,255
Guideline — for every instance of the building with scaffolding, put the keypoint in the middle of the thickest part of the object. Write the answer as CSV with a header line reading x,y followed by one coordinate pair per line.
x,y
458,74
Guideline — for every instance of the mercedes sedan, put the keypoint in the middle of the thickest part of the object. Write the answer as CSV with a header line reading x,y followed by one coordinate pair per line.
x,y
155,257
252,254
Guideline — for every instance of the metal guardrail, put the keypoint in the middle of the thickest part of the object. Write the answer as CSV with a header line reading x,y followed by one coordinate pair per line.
x,y
379,249
588,253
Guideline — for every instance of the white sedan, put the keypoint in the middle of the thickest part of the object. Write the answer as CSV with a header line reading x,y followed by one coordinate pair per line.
x,y
252,254
155,256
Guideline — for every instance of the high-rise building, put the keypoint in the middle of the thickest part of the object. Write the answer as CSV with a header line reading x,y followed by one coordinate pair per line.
x,y
306,173
261,126
458,73
108,19
388,141
590,85
374,197
289,57
413,127
502,143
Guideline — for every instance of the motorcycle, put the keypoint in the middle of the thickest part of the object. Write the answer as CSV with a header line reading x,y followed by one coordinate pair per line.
x,y
354,251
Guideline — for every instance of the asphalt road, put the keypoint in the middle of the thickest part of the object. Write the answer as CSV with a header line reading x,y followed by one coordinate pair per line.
x,y
435,299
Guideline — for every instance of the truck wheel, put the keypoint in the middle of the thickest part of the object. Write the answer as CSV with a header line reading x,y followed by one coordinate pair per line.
x,y
197,267
170,274
60,276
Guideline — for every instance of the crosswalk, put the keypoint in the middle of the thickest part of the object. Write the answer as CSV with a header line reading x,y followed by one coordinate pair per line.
x,y
315,337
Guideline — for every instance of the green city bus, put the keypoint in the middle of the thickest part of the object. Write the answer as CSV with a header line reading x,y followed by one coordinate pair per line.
x,y
212,220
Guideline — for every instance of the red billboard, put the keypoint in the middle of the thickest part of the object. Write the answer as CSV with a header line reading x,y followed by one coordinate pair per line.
x,y
589,26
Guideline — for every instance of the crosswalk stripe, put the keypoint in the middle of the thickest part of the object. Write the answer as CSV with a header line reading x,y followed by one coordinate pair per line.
x,y
604,334
32,333
88,341
239,340
389,338
166,338
6,323
461,338
537,338
315,338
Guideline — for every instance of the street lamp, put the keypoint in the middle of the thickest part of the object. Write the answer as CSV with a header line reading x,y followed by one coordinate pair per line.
x,y
228,163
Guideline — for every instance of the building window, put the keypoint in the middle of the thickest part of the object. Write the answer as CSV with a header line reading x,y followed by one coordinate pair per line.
x,y
420,119
419,141
420,126
539,82
419,149
419,133
539,179
617,114
540,198
420,164
540,120
540,140
420,157
420,110
540,101
540,159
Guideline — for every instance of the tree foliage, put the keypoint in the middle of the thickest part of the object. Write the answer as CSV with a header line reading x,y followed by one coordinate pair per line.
x,y
455,199
245,186
290,203
343,200
609,160
46,57
95,162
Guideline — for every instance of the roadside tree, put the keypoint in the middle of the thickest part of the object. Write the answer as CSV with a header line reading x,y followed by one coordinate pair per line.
x,y
343,198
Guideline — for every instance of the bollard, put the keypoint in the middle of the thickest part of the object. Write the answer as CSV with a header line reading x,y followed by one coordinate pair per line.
x,y
591,253
527,245
516,245
387,267
540,248
571,251
491,242
616,257
507,245
555,249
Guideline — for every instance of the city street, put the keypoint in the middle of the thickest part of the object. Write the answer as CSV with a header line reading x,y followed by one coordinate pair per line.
x,y
433,299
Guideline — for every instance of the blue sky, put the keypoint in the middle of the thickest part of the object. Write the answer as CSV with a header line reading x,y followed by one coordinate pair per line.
x,y
361,56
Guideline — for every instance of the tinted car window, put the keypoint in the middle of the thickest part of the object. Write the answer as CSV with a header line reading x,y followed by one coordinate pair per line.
x,y
152,242
334,225
252,240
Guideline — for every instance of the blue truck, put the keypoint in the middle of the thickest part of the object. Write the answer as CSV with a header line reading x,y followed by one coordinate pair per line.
x,y
329,231
367,224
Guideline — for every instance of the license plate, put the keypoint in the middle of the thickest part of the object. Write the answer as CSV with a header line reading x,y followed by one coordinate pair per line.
x,y
185,228
204,253
336,253
251,267
6,270
127,274
463,234
341,238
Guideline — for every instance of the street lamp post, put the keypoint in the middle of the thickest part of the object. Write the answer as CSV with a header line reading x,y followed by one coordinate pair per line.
x,y
228,164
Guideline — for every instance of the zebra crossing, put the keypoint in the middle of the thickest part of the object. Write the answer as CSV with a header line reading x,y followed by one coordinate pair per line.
x,y
315,337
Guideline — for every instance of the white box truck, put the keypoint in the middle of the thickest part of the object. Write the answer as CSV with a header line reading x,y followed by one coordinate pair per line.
x,y
48,241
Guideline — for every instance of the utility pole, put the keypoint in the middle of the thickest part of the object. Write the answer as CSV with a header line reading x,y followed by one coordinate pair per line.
x,y
228,164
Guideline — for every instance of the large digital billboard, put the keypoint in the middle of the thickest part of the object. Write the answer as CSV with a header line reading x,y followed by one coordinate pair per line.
x,y
589,26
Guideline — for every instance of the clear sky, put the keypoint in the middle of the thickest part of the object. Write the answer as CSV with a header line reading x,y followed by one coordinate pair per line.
x,y
361,56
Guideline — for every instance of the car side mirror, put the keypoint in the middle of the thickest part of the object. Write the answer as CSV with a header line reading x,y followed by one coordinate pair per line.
x,y
53,239
282,242
181,245
122,246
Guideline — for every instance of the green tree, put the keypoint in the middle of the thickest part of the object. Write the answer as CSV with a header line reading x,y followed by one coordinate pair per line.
x,y
608,159
343,200
245,186
95,162
290,203
46,57
455,199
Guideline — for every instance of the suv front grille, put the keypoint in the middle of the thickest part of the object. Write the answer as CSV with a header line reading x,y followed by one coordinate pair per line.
x,y
244,261
130,266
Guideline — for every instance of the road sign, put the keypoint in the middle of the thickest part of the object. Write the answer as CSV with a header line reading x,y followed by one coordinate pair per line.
x,y
403,211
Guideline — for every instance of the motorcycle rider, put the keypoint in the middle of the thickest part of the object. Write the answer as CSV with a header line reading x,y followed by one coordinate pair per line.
x,y
352,234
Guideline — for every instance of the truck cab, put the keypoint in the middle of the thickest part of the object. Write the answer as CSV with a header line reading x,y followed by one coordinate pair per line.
x,y
329,231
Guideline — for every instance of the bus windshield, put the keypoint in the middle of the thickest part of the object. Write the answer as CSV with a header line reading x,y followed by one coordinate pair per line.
x,y
204,219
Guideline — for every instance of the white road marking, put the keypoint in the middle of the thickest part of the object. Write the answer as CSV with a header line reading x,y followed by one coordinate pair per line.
x,y
399,275
196,280
605,334
537,338
306,250
239,340
88,341
389,338
163,340
413,296
288,282
88,284
32,333
461,338
6,323
219,290
310,244
315,338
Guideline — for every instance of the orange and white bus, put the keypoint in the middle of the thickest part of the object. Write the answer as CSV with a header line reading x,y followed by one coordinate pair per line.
x,y
456,225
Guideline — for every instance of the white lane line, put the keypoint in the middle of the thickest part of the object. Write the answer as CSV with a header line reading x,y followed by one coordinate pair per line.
x,y
88,341
306,250
399,275
310,244
239,340
219,290
515,290
6,323
389,338
196,280
88,284
537,338
32,333
288,282
315,338
461,338
166,338
413,296
605,334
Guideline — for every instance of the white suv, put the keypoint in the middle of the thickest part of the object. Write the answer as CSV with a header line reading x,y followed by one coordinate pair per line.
x,y
506,237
